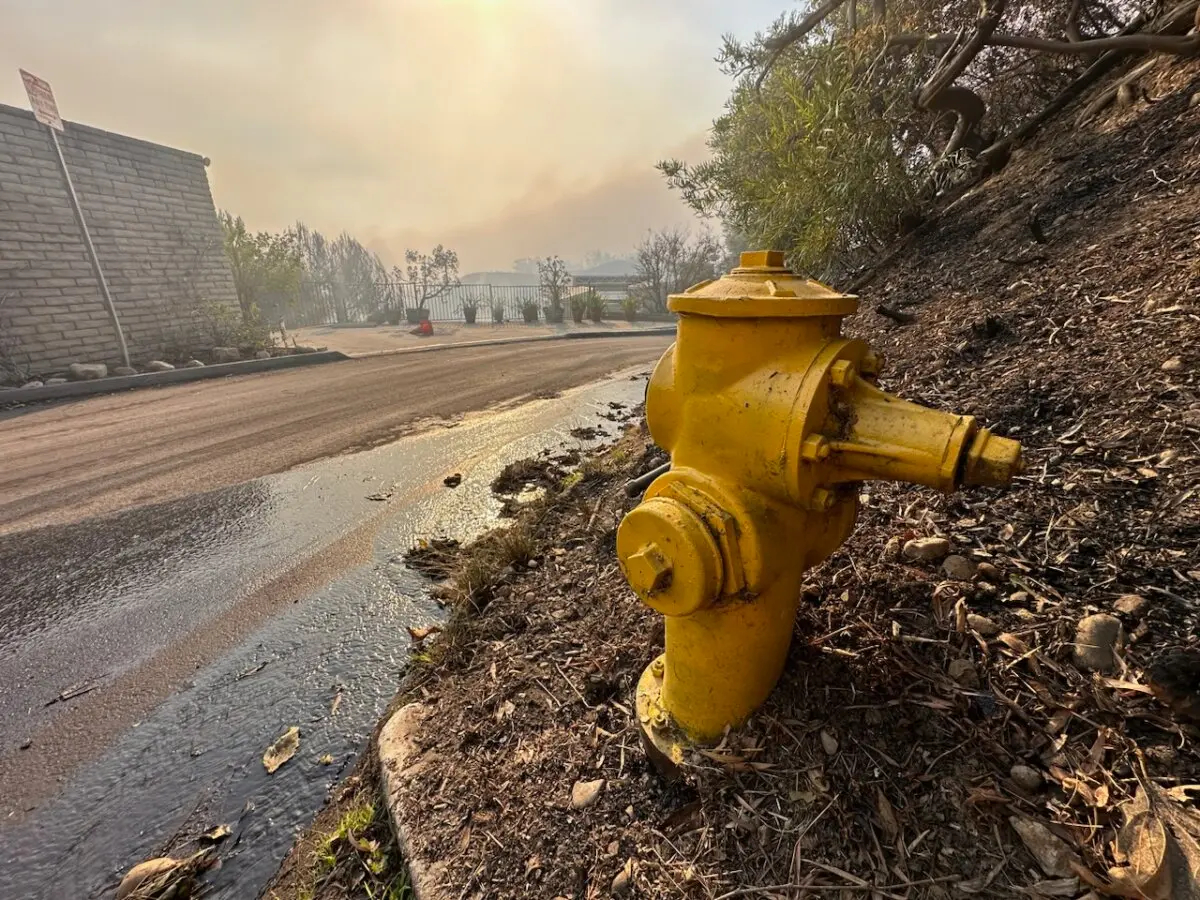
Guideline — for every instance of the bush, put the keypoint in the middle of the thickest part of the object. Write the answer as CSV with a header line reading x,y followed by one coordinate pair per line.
x,y
498,313
579,306
595,306
529,311
629,306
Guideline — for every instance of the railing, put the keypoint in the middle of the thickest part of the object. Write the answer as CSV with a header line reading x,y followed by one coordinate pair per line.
x,y
380,302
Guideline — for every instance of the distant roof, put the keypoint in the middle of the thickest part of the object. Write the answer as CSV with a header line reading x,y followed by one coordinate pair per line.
x,y
508,279
612,267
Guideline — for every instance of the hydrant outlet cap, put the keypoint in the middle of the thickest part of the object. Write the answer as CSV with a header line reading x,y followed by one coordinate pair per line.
x,y
669,557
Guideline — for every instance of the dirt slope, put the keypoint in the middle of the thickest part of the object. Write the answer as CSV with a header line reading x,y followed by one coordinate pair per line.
x,y
933,735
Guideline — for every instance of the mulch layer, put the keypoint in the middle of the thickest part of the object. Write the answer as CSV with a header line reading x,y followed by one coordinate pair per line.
x,y
942,729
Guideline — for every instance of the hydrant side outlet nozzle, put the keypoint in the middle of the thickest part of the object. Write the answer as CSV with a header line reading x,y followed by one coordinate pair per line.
x,y
771,417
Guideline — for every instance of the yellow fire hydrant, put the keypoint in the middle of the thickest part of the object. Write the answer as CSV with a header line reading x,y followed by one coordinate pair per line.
x,y
771,418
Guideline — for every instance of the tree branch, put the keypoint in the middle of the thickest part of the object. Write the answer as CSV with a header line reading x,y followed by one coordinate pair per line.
x,y
778,44
1150,43
943,78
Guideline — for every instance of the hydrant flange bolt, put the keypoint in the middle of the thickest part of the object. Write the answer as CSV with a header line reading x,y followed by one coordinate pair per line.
x,y
872,364
815,448
823,499
842,373
657,668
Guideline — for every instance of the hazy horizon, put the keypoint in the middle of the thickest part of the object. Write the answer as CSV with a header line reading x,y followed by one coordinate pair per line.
x,y
501,128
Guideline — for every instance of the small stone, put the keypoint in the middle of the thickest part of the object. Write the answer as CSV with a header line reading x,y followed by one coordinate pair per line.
x,y
624,880
50,381
532,564
530,596
452,481
988,572
1096,641
1174,364
1026,778
828,743
262,354
157,365
193,364
124,371
983,625
1131,604
32,384
926,549
586,793
959,568
226,354
963,671
87,371
892,549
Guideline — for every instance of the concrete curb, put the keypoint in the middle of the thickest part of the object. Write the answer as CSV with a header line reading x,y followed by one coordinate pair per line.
x,y
400,761
536,339
174,376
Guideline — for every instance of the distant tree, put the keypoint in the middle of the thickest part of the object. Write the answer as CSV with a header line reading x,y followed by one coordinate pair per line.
x,y
266,267
554,281
431,274
671,260
355,276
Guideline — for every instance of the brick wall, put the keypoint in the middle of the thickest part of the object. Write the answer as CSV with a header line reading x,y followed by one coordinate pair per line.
x,y
152,220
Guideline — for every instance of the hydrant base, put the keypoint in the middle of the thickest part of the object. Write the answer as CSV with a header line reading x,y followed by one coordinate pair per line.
x,y
665,744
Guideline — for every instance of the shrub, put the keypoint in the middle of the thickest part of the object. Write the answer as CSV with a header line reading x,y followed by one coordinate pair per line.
x,y
629,306
579,305
595,306
529,311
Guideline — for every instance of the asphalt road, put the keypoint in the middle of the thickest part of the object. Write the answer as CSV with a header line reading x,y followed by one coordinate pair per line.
x,y
79,459
187,571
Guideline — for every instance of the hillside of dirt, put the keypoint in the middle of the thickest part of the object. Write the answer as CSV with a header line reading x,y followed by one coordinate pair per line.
x,y
962,725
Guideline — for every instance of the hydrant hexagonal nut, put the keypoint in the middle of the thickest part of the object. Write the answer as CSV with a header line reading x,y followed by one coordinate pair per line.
x,y
648,570
842,373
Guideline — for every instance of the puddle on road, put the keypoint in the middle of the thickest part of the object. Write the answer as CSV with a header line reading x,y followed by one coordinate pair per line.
x,y
195,760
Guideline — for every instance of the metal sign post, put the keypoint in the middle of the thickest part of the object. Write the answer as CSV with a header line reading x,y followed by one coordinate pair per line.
x,y
45,110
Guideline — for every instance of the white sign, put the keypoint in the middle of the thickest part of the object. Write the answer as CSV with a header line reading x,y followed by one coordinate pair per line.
x,y
41,100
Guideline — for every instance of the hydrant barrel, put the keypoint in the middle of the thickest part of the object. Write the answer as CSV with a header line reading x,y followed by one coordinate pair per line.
x,y
772,418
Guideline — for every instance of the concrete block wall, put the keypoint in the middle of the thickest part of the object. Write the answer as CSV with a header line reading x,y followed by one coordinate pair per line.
x,y
152,220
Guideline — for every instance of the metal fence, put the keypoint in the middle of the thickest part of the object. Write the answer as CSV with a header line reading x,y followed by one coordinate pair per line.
x,y
334,303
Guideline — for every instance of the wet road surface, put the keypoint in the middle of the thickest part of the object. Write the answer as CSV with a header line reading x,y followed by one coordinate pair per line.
x,y
90,457
148,657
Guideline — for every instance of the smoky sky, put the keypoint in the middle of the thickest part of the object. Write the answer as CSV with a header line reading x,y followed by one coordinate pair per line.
x,y
503,128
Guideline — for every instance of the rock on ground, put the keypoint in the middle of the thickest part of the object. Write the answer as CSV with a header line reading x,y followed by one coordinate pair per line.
x,y
959,568
32,384
87,371
193,364
1096,641
1131,604
124,370
586,793
1026,778
157,365
926,549
263,354
226,354
56,381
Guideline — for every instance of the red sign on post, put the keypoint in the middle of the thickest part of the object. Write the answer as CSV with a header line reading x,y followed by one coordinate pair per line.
x,y
41,100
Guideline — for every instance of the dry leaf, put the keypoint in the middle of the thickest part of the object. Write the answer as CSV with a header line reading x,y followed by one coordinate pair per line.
x,y
533,864
1051,852
1143,845
215,834
326,759
282,750
887,815
504,710
419,634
